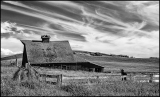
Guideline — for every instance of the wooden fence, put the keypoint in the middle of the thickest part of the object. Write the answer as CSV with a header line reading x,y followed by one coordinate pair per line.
x,y
129,77
28,68
45,76
60,77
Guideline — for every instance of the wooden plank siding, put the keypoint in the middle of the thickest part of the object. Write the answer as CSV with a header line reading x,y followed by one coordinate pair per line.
x,y
76,66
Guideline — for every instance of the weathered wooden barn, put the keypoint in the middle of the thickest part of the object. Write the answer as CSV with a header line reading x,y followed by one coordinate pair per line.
x,y
55,54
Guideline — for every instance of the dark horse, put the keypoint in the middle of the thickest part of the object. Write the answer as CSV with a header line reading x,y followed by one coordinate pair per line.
x,y
124,74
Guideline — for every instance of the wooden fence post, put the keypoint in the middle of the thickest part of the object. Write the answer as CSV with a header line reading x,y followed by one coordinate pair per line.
x,y
19,78
17,62
43,77
130,77
59,80
151,78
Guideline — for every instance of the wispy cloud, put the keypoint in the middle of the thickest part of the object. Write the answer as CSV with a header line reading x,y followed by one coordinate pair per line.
x,y
121,27
148,10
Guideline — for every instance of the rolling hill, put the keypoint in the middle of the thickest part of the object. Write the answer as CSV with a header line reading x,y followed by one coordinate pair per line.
x,y
12,57
111,62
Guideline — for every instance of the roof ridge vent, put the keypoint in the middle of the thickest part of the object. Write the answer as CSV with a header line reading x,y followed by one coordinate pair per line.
x,y
45,38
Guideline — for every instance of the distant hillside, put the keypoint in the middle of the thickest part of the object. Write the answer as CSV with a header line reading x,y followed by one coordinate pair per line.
x,y
12,57
99,54
20,55
120,59
109,62
112,57
128,64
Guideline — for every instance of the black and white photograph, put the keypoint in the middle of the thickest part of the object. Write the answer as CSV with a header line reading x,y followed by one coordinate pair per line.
x,y
79,48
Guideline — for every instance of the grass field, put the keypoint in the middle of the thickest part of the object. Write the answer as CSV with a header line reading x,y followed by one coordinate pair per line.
x,y
100,88
128,64
110,86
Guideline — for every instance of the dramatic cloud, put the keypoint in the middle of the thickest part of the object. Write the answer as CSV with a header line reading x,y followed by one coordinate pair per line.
x,y
112,27
7,27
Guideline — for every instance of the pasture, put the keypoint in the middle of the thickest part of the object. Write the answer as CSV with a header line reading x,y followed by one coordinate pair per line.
x,y
74,87
111,64
83,83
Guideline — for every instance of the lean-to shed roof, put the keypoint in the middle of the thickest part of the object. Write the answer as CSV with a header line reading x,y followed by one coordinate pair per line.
x,y
79,59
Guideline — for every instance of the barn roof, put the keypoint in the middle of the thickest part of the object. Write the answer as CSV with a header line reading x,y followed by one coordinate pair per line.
x,y
46,52
80,59
51,52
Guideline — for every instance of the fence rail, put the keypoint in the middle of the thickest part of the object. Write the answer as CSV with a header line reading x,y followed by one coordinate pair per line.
x,y
60,77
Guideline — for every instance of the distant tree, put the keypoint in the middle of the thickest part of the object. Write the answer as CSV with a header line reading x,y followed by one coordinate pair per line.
x,y
91,53
123,56
154,58
131,57
112,55
98,54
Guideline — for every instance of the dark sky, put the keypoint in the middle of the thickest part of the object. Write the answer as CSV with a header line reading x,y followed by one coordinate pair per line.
x,y
112,27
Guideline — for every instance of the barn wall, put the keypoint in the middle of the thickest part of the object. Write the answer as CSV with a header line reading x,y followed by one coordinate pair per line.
x,y
73,66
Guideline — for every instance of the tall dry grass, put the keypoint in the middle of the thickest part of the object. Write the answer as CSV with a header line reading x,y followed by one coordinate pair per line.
x,y
117,88
32,87
76,90
25,82
9,87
